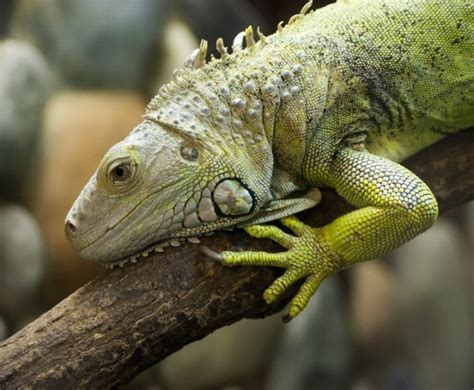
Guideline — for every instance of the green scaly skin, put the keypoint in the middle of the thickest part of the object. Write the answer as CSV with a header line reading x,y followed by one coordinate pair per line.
x,y
337,98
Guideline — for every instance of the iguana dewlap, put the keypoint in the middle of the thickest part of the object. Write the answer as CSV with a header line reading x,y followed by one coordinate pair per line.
x,y
336,98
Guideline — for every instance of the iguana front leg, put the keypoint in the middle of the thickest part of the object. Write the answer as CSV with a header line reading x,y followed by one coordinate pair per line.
x,y
395,206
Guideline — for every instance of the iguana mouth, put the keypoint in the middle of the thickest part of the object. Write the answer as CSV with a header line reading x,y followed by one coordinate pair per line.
x,y
158,247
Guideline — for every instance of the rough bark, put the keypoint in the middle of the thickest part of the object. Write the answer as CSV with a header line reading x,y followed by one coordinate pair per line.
x,y
130,318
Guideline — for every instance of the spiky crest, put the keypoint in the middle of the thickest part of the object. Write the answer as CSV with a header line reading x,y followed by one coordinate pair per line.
x,y
186,77
261,36
250,42
221,48
202,53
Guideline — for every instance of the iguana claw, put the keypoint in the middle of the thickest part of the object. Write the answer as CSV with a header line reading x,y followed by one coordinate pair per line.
x,y
306,257
211,253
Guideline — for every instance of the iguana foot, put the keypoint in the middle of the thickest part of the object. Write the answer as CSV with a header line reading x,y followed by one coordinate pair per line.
x,y
308,256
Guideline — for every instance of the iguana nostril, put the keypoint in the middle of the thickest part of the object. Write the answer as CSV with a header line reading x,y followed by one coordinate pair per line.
x,y
70,227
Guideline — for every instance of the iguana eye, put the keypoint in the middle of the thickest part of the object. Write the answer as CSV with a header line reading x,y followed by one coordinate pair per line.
x,y
121,172
189,153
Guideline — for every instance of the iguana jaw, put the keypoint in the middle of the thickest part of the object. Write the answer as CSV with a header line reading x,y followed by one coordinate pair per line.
x,y
102,248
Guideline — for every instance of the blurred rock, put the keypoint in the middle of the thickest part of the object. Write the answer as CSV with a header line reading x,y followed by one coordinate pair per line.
x,y
373,306
3,329
172,55
79,128
107,44
373,317
469,214
211,19
6,9
315,349
117,44
276,10
230,357
435,295
25,84
22,264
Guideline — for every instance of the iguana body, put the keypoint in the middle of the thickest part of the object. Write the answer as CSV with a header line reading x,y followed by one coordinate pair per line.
x,y
336,98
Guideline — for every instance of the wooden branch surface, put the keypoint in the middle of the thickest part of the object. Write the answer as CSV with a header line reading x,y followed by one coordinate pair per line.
x,y
130,318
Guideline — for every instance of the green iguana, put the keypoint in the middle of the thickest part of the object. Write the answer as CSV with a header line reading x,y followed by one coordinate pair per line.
x,y
336,98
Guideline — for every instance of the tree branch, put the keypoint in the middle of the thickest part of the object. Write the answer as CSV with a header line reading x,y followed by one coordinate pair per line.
x,y
130,318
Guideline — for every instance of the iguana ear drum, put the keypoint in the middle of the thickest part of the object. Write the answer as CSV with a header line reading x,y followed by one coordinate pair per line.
x,y
233,198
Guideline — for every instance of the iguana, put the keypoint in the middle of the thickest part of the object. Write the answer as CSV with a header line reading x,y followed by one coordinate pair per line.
x,y
336,98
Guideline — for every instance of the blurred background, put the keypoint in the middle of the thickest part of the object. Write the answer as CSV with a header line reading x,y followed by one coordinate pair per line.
x,y
75,76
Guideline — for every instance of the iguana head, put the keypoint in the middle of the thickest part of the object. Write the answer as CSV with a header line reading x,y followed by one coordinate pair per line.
x,y
202,160
185,170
